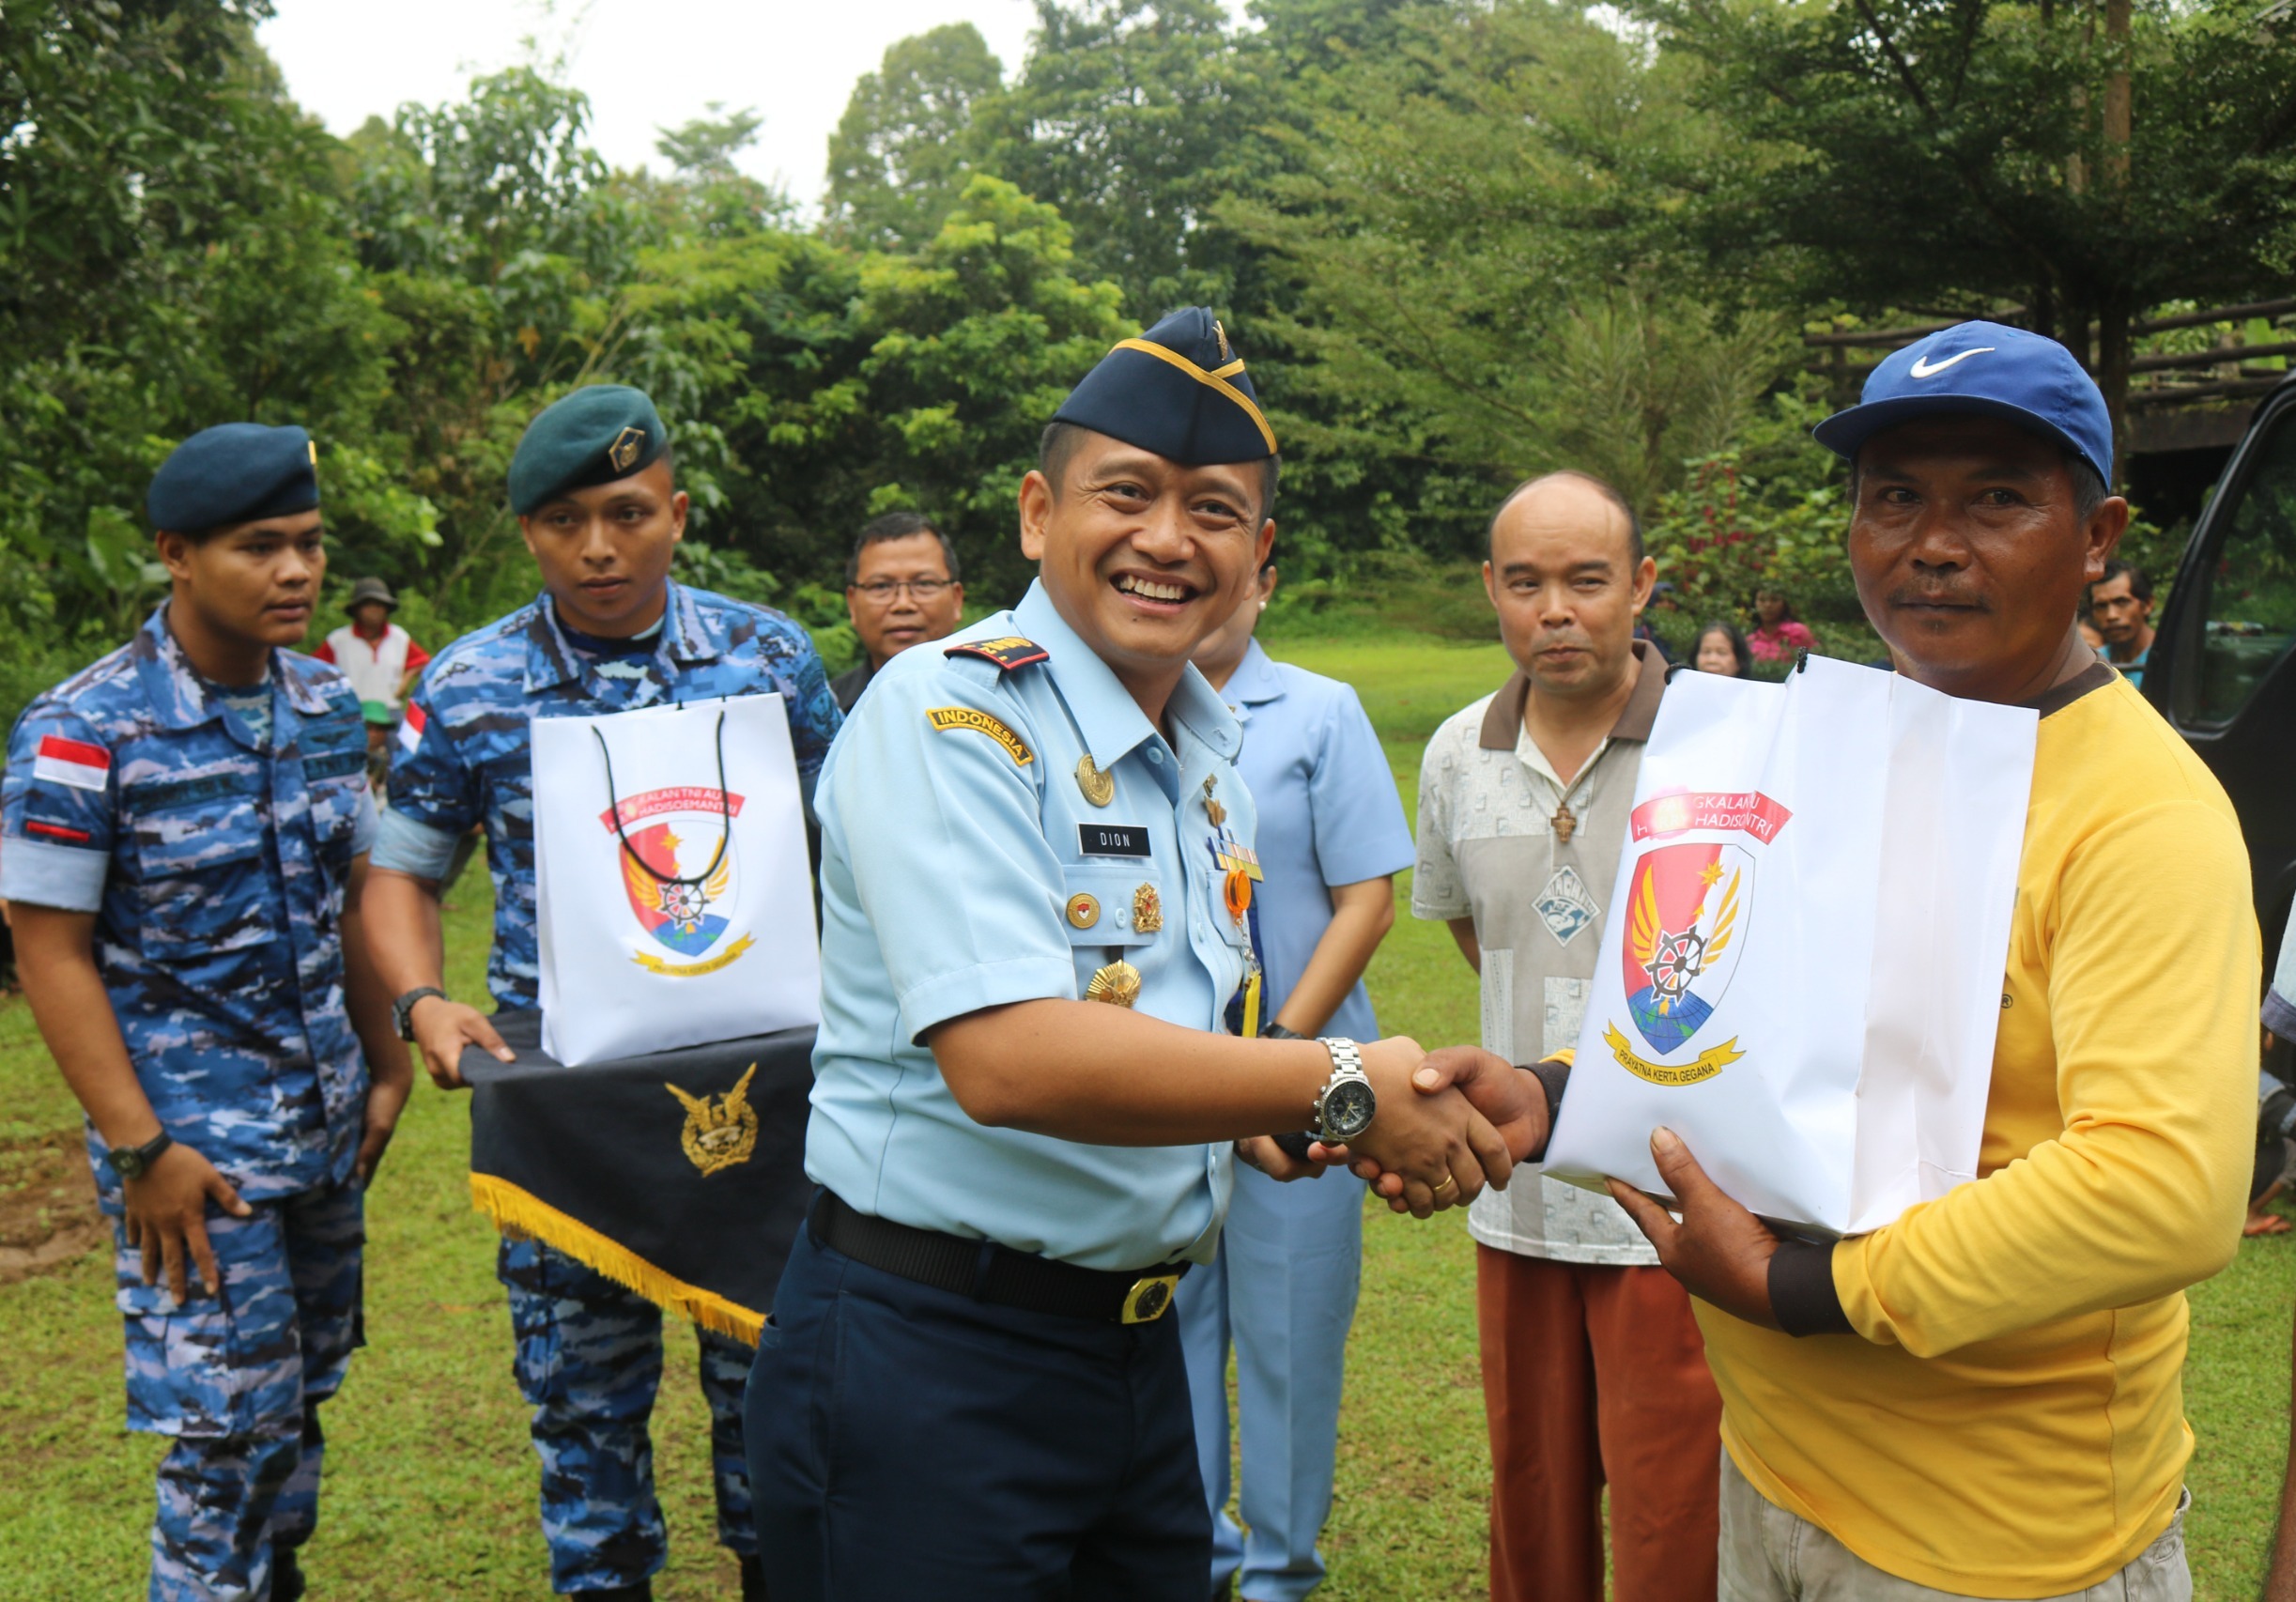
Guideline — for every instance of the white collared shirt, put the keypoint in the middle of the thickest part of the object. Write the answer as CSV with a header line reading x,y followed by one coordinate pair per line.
x,y
1488,849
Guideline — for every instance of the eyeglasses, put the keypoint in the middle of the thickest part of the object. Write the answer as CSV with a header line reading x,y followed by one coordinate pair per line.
x,y
884,590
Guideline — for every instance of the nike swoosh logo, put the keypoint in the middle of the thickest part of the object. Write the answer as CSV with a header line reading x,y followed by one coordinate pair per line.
x,y
1924,368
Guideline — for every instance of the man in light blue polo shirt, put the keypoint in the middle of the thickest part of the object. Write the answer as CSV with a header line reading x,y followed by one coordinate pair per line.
x,y
1036,880
1333,839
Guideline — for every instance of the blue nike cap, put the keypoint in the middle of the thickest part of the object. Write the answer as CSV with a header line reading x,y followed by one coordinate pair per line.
x,y
1989,369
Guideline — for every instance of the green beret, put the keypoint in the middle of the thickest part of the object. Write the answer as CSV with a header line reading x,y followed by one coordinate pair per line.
x,y
594,435
1179,390
233,473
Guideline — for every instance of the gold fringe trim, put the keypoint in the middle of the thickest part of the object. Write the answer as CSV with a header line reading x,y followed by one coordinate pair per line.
x,y
520,1213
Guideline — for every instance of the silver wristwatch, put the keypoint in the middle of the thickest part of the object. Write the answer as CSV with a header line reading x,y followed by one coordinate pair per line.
x,y
1344,1109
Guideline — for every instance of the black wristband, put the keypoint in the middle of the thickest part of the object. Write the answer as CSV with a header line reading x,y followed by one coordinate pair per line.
x,y
1271,1030
1553,1075
1802,1296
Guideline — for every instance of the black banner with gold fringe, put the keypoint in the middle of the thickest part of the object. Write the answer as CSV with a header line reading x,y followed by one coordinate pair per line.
x,y
680,1174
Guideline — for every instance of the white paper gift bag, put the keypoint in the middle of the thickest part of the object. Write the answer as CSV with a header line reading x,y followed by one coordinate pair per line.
x,y
673,896
1801,962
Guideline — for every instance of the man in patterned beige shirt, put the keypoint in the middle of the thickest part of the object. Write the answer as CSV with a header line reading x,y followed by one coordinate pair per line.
x,y
1593,1368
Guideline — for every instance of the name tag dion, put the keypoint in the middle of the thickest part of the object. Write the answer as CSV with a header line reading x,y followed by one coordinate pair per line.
x,y
1112,839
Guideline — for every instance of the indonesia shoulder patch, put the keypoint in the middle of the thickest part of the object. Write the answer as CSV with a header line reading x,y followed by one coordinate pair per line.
x,y
1007,653
948,717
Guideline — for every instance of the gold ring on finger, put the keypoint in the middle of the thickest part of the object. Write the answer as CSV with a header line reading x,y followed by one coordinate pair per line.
x,y
1449,1179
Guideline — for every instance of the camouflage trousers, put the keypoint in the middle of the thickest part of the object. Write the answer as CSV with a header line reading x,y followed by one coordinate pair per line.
x,y
237,1376
590,1361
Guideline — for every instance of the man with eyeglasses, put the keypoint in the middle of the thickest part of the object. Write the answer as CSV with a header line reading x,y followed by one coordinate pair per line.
x,y
901,590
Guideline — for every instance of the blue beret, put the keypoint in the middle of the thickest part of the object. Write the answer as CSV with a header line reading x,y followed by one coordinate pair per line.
x,y
1179,391
233,473
596,434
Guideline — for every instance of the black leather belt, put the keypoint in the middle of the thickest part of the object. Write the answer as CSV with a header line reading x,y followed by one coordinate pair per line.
x,y
989,1272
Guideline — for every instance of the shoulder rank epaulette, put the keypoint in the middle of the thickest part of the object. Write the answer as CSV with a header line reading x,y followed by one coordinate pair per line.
x,y
1009,652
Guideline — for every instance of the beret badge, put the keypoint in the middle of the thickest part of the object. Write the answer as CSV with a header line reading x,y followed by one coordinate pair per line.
x,y
597,434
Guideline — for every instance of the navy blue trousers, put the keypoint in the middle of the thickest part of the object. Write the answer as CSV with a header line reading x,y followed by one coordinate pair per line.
x,y
910,1442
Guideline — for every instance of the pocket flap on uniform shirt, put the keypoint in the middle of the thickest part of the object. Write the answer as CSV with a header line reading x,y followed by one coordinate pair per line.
x,y
1113,903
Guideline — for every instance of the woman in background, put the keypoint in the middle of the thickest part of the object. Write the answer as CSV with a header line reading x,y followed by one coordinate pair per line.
x,y
1719,648
1781,633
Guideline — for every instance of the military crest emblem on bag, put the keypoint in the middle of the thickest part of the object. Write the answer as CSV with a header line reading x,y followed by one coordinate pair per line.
x,y
1685,910
679,876
721,1131
1690,909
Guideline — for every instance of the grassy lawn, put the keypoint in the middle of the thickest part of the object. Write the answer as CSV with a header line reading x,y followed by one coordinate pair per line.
x,y
430,1491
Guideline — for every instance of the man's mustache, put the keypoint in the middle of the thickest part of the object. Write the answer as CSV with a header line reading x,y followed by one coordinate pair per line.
x,y
1938,595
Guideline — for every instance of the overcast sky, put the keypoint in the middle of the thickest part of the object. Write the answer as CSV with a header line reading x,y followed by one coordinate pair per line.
x,y
645,64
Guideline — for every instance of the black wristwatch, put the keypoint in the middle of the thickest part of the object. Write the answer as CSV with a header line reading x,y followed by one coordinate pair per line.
x,y
402,1011
1271,1030
135,1162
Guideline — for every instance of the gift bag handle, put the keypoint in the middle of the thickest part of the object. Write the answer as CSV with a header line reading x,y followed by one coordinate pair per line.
x,y
725,807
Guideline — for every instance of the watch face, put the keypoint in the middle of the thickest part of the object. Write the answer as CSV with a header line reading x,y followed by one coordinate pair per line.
x,y
1348,1107
128,1164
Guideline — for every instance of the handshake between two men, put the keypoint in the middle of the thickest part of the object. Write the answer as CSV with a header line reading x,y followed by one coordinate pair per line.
x,y
1471,1116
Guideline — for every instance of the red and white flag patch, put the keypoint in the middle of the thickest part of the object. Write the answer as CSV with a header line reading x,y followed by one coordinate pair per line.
x,y
72,761
410,728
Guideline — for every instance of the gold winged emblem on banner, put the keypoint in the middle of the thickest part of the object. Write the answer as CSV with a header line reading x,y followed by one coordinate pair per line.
x,y
720,1131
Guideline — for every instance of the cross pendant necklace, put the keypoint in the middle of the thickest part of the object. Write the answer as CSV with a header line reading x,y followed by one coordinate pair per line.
x,y
1565,822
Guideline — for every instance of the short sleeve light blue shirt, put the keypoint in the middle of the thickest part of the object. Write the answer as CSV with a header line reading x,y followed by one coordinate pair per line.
x,y
1329,814
957,841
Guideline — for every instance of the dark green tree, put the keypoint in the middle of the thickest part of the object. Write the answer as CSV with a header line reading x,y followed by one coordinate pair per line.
x,y
1487,271
172,256
2084,161
908,143
1136,118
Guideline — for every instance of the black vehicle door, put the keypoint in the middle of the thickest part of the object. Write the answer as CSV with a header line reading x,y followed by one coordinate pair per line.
x,y
2222,668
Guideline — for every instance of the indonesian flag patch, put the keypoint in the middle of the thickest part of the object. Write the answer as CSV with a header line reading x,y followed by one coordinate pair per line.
x,y
72,761
410,728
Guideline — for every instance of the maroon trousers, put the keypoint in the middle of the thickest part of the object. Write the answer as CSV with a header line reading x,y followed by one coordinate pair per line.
x,y
1596,1375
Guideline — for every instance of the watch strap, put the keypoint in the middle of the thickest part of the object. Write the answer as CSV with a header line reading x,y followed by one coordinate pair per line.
x,y
139,1158
402,1011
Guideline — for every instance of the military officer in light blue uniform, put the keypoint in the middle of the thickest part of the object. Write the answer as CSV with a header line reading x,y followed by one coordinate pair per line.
x,y
186,826
1037,872
601,512
1332,841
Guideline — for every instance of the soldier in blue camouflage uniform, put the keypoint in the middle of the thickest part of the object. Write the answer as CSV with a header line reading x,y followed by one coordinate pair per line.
x,y
186,825
593,488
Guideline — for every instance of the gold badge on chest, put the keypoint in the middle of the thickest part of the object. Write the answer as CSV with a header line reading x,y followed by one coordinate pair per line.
x,y
1119,984
1099,785
1148,910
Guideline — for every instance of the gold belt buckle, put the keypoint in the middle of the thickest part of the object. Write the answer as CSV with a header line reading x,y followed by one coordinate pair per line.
x,y
1150,1298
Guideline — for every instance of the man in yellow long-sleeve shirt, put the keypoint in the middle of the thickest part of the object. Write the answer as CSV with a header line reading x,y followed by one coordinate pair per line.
x,y
1985,1398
